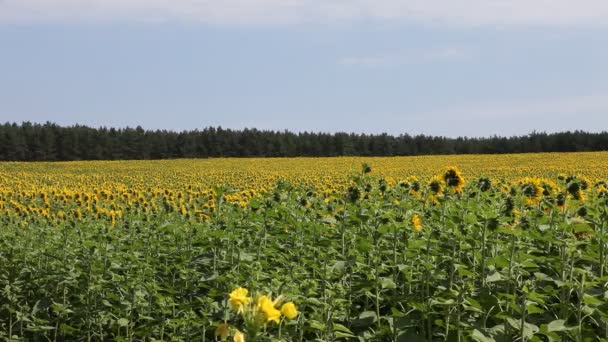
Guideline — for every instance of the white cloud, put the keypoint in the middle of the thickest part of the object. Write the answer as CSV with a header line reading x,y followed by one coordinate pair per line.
x,y
272,12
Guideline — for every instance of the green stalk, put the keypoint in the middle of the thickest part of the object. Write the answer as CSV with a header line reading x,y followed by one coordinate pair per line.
x,y
483,255
427,291
579,314
395,275
602,252
377,288
523,319
10,328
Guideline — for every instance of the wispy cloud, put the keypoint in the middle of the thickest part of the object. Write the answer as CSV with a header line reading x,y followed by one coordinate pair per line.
x,y
272,12
574,107
552,114
449,54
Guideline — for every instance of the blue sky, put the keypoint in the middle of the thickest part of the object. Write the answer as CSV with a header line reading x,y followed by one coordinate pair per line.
x,y
473,67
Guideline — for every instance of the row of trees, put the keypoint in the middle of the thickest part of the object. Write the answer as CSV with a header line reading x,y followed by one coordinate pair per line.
x,y
50,142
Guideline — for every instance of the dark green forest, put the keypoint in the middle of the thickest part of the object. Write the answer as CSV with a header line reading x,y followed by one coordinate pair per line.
x,y
51,142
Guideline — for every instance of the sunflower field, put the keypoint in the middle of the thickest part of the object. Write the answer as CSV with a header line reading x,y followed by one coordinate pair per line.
x,y
434,248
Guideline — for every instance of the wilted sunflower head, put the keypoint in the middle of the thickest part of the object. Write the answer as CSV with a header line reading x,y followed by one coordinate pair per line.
x,y
582,212
453,178
585,183
484,184
508,206
354,193
560,200
382,186
366,168
602,189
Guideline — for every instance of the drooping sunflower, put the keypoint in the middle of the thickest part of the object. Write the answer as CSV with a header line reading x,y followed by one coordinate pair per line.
x,y
575,189
484,184
453,178
436,185
560,200
531,188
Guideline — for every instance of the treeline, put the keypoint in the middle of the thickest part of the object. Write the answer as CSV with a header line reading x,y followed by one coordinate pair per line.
x,y
51,142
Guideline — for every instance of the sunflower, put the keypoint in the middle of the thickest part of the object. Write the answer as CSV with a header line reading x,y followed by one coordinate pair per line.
x,y
239,298
238,337
575,188
289,310
266,306
222,331
484,184
531,188
416,222
453,178
436,185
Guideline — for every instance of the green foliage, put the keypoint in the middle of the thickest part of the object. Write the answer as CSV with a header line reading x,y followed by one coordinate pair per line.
x,y
356,268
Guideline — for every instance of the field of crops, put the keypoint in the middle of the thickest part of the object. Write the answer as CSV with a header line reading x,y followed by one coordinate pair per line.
x,y
435,248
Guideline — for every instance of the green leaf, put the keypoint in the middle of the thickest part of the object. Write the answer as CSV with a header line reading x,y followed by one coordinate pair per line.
x,y
591,300
387,283
472,304
339,328
493,277
339,266
470,218
329,220
123,322
533,309
558,325
480,337
530,330
317,325
343,334
366,319
246,256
